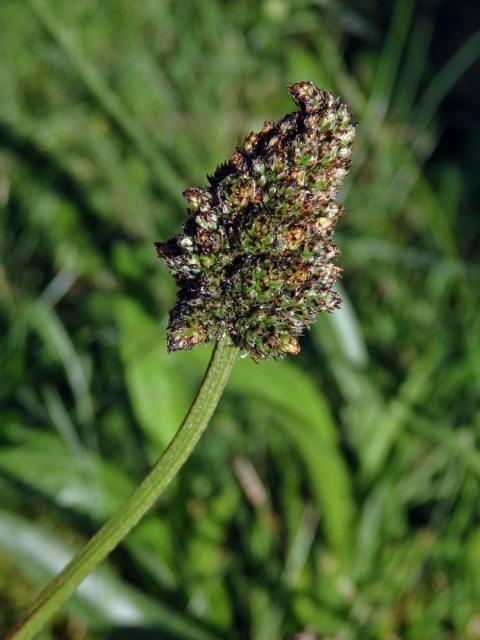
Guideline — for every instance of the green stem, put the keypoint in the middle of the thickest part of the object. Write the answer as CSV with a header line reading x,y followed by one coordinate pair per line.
x,y
129,514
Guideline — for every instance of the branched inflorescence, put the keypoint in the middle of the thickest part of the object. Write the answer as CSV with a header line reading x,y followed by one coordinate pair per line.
x,y
255,259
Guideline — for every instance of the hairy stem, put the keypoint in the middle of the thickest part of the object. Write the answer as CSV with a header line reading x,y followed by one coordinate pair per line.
x,y
129,514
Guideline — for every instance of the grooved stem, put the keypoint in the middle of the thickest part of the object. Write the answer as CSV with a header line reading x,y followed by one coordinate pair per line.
x,y
129,514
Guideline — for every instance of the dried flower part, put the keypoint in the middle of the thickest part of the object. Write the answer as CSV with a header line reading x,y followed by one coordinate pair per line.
x,y
255,260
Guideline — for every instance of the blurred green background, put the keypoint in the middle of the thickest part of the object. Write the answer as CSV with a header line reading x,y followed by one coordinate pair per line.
x,y
335,494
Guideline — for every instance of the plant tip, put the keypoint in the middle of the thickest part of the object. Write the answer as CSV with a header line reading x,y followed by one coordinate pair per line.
x,y
255,261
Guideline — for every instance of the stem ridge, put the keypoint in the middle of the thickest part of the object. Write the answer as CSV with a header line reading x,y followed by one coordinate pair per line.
x,y
143,498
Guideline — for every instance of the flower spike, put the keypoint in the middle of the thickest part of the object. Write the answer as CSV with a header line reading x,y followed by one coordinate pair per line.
x,y
255,260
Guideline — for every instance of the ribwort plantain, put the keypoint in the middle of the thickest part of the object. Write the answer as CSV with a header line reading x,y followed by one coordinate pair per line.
x,y
256,261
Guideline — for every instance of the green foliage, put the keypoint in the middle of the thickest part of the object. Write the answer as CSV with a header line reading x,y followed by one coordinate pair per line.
x,y
335,492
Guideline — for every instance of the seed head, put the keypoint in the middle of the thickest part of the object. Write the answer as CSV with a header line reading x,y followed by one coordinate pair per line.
x,y
255,260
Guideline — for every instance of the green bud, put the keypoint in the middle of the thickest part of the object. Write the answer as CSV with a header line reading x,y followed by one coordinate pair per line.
x,y
255,260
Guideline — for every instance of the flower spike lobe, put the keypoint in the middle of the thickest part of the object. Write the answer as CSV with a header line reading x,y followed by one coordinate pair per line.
x,y
255,260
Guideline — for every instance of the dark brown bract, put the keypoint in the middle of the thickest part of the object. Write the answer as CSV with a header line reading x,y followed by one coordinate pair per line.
x,y
255,260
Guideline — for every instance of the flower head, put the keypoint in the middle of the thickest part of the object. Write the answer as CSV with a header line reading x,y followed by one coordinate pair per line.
x,y
255,260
